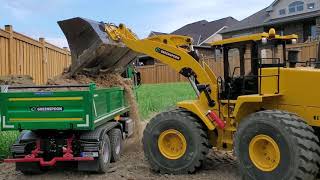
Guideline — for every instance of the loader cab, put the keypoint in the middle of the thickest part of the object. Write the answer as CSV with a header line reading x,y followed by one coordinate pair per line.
x,y
244,57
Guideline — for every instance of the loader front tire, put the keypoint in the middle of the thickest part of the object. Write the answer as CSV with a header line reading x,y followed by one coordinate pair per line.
x,y
175,142
276,145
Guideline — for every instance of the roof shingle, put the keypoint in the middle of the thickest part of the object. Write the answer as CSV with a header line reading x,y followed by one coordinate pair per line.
x,y
202,30
255,20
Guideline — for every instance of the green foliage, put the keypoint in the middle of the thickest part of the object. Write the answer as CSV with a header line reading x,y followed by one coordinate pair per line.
x,y
155,98
7,138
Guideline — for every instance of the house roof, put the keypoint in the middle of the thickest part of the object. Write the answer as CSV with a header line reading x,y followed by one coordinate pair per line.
x,y
202,30
255,20
261,18
270,8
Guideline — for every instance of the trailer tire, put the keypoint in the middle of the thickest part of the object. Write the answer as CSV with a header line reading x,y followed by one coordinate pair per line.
x,y
275,144
104,154
115,136
27,168
175,142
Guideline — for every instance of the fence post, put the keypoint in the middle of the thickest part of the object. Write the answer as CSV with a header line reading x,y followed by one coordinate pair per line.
x,y
66,49
44,61
157,74
9,29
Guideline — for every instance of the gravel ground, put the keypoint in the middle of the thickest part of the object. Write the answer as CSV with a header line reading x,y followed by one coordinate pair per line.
x,y
132,166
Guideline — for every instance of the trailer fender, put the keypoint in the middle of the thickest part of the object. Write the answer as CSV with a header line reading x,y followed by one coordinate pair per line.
x,y
21,142
96,134
27,136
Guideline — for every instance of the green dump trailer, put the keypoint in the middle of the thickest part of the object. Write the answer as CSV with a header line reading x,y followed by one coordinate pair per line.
x,y
86,126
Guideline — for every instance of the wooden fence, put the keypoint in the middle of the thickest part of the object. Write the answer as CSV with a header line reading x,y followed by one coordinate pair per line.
x,y
307,50
22,55
161,73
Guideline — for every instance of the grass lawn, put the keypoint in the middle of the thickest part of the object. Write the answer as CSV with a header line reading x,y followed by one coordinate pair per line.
x,y
151,99
155,98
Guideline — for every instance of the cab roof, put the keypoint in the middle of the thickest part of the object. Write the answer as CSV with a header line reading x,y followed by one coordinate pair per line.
x,y
254,37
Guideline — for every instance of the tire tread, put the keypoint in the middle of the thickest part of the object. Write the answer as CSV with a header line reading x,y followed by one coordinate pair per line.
x,y
113,135
196,126
306,140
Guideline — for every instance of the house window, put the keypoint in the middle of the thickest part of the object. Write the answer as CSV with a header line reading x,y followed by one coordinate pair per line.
x,y
296,6
311,5
282,12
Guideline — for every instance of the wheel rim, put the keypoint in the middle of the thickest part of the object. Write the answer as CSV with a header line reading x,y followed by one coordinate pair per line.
x,y
105,153
264,153
172,144
118,147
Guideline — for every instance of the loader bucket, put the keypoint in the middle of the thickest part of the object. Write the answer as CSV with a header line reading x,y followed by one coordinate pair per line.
x,y
92,49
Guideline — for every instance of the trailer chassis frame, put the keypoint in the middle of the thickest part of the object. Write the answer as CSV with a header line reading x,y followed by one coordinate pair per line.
x,y
34,156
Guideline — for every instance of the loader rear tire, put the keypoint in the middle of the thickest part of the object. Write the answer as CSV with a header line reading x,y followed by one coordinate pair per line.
x,y
115,136
276,145
175,142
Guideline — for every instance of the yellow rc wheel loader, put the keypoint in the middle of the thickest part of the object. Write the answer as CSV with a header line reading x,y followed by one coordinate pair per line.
x,y
265,109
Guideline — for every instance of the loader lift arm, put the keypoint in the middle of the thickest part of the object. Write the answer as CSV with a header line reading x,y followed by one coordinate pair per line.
x,y
175,51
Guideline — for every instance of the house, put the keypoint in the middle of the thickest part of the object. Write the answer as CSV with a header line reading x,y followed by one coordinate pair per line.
x,y
286,16
204,31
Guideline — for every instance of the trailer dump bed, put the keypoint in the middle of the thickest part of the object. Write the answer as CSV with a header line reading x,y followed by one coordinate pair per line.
x,y
61,110
92,49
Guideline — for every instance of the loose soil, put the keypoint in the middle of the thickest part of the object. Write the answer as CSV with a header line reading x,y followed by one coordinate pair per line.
x,y
16,80
133,166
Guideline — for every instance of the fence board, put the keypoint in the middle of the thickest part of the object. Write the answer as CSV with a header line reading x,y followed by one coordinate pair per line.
x,y
22,55
307,50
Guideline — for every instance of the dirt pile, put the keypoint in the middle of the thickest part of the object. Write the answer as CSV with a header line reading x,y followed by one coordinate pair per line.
x,y
106,80
16,80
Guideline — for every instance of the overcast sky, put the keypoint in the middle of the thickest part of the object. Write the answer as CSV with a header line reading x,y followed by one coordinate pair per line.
x,y
37,18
